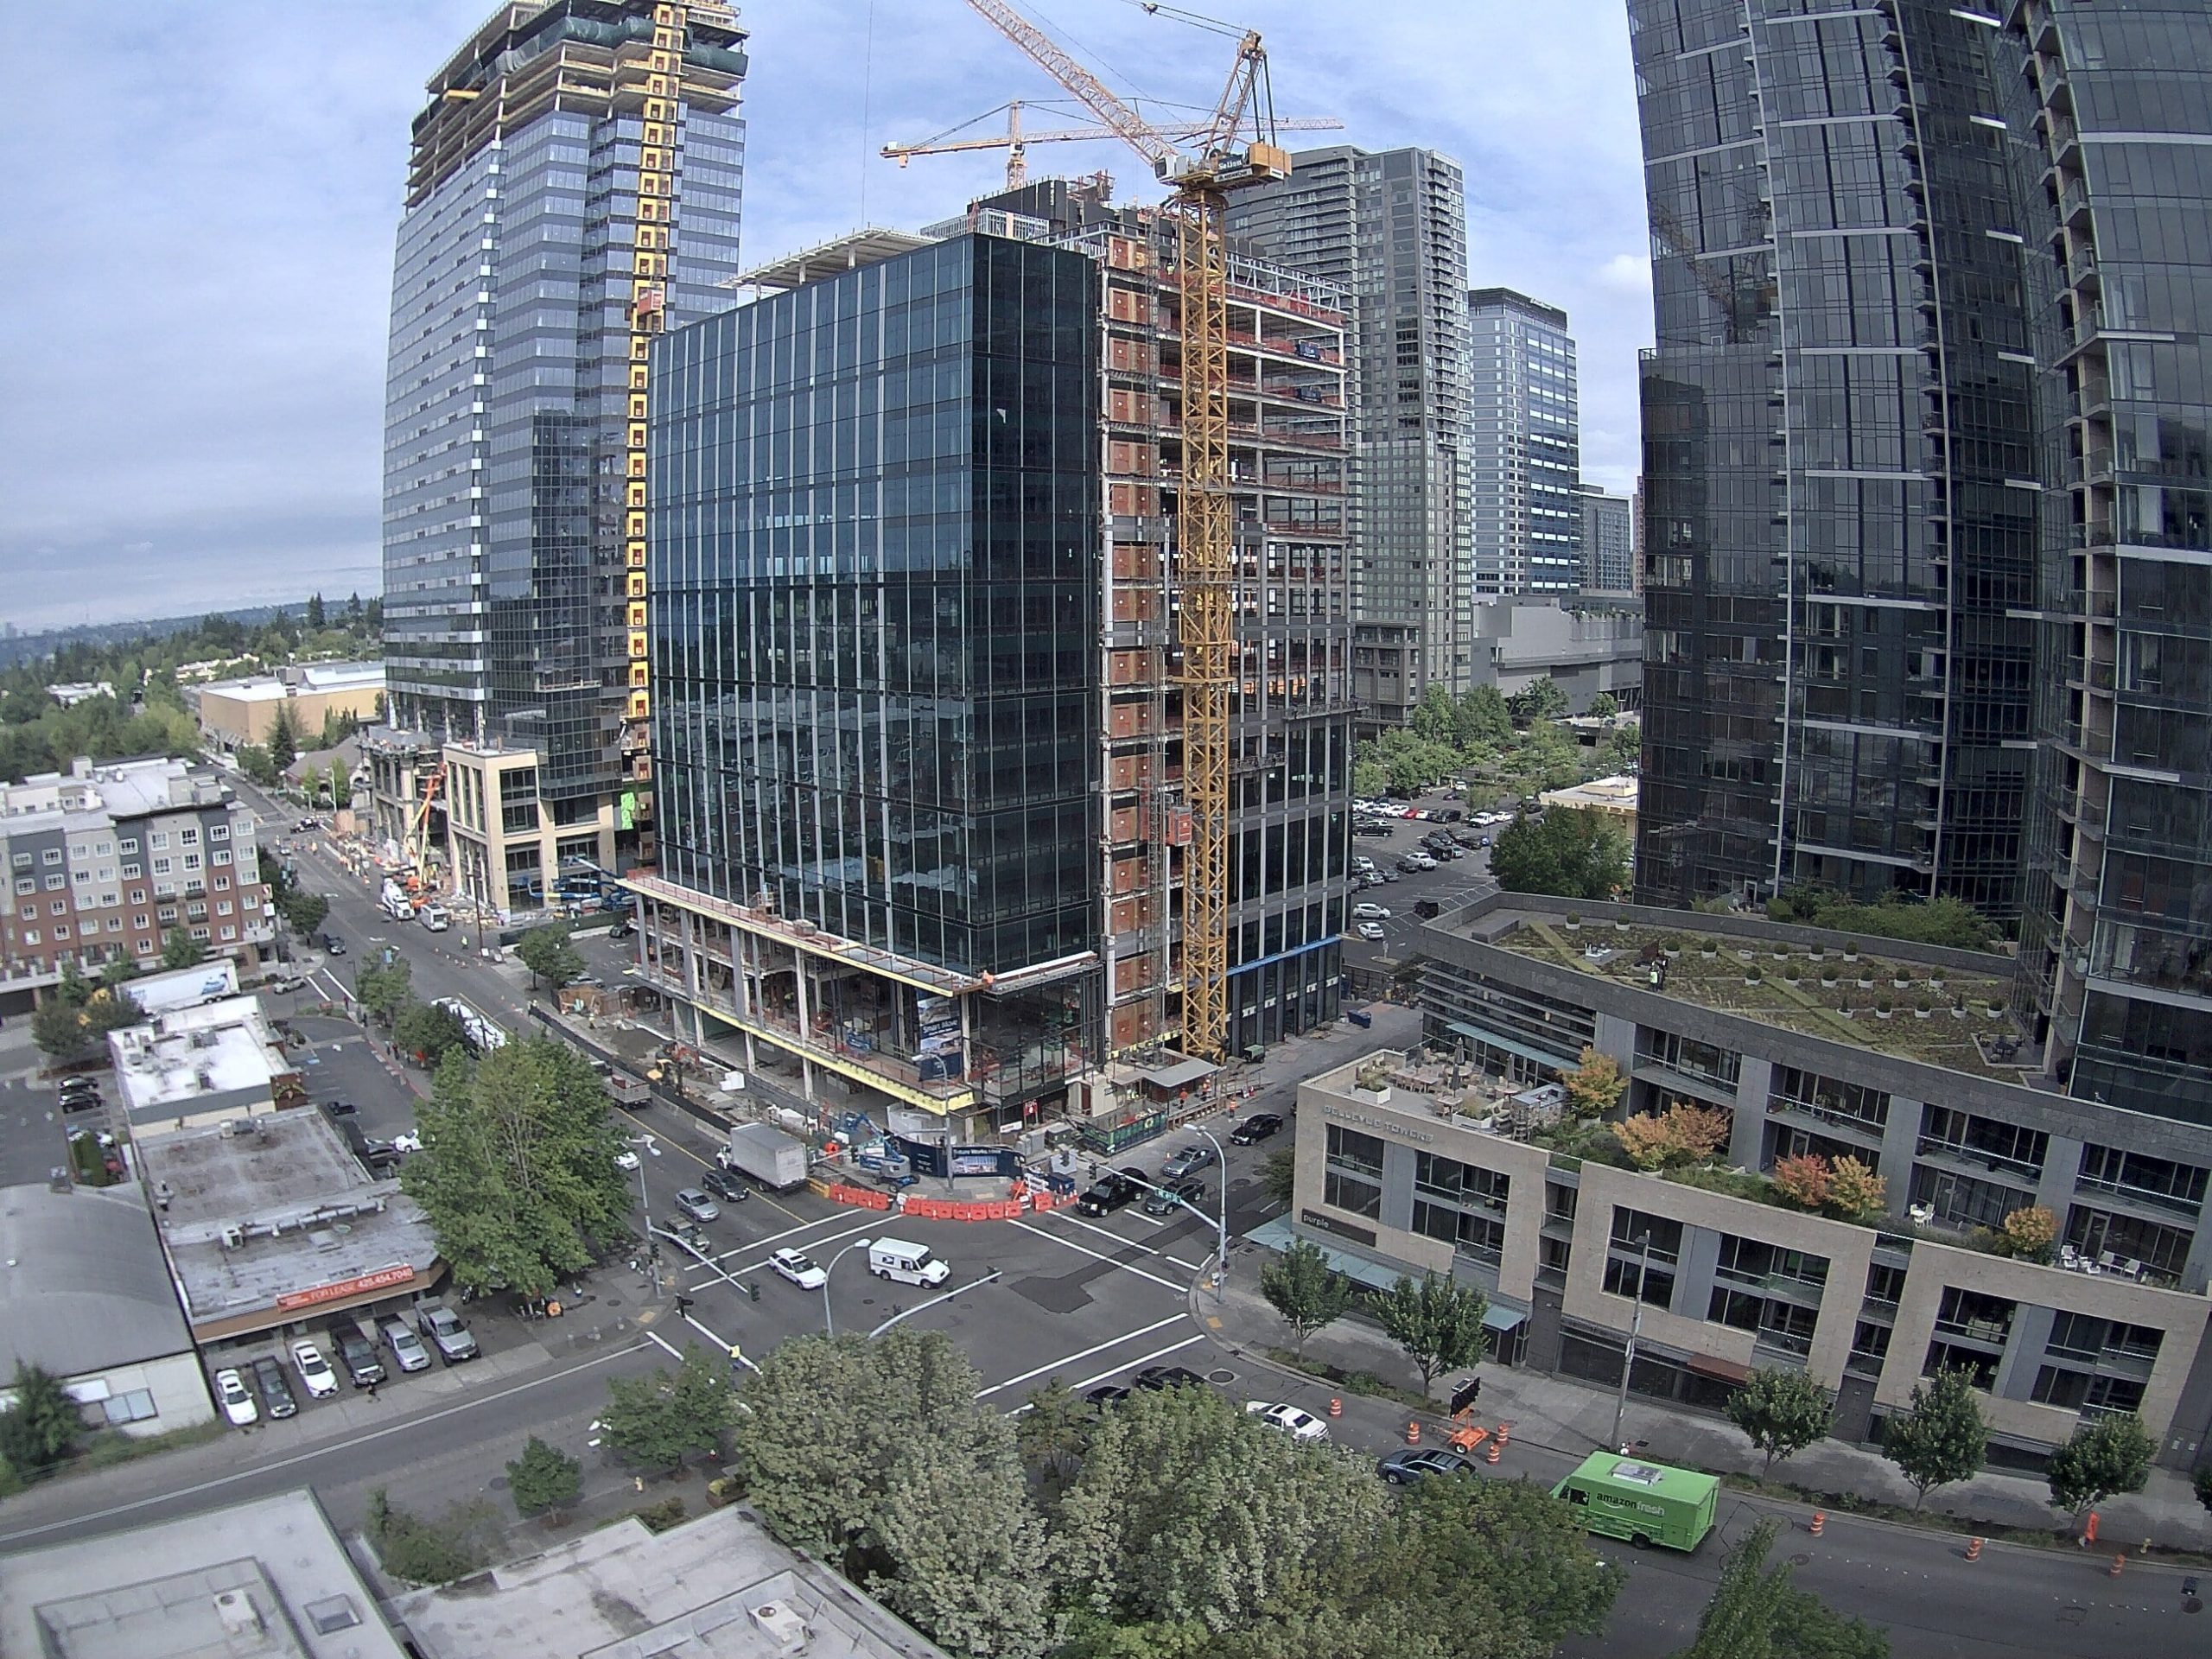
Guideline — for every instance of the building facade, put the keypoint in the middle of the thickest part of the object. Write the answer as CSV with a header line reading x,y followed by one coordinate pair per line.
x,y
233,713
1389,229
1608,540
1524,445
104,862
1470,1164
2111,132
1840,483
574,184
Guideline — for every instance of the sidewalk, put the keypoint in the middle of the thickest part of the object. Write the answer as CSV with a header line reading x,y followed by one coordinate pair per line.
x,y
1567,1419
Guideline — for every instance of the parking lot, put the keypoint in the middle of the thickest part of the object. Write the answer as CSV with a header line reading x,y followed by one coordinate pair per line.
x,y
1452,882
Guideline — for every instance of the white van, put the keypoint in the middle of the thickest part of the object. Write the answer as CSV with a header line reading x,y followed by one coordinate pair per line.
x,y
910,1264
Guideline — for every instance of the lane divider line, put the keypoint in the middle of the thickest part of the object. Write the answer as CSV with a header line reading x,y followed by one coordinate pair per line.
x,y
1070,1359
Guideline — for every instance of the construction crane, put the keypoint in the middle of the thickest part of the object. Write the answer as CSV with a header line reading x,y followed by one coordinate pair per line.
x,y
1016,142
1218,160
418,835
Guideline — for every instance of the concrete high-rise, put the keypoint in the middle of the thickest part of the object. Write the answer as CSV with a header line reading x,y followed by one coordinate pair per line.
x,y
2108,121
1841,490
1391,229
573,187
1524,446
1608,540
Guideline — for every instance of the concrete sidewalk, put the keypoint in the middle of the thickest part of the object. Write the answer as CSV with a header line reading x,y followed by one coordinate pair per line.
x,y
1557,1421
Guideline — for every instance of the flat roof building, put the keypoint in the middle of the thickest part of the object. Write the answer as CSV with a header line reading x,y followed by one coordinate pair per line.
x,y
272,1218
268,1579
241,711
201,1065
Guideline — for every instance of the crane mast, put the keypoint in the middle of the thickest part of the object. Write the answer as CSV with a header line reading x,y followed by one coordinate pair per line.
x,y
1204,569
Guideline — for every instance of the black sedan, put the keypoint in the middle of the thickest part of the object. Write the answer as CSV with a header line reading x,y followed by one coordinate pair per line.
x,y
275,1393
1157,1377
1413,1464
726,1186
1257,1128
1105,1395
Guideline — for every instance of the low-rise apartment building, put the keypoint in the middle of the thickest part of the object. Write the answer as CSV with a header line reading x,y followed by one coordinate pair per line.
x,y
1465,1159
104,861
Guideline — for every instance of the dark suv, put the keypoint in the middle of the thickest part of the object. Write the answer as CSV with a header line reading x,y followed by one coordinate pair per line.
x,y
357,1355
1116,1188
275,1393
725,1186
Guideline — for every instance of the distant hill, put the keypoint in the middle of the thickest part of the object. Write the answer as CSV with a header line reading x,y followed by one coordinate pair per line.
x,y
18,648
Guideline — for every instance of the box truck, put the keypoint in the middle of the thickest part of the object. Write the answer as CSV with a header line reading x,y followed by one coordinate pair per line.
x,y
770,1157
1643,1501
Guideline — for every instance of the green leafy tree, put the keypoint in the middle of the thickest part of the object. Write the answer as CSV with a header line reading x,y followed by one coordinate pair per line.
x,y
548,954
1756,1612
1309,1294
1049,1436
1369,778
1595,1084
1604,706
1509,1544
1438,1322
75,1017
117,971
1278,1175
427,1031
1571,852
1542,699
283,739
544,1477
305,911
517,1172
1782,1413
1483,717
315,617
1435,717
1943,1439
384,987
180,950
253,760
2105,1456
665,1417
40,1430
420,1551
979,1588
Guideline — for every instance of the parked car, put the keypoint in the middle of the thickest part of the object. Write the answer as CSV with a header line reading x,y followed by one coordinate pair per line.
x,y
1370,913
337,1108
799,1268
1105,1395
1299,1425
406,1347
237,1398
1169,1196
1371,931
356,1353
697,1205
275,1393
315,1371
726,1186
1156,1377
1403,1467
333,946
82,1100
442,1328
1256,1129
1188,1159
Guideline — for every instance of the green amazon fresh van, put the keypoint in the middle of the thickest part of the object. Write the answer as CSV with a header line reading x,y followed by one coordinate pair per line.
x,y
1643,1501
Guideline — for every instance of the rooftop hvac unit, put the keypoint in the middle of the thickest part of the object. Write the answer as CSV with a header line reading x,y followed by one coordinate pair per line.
x,y
205,1078
234,1238
780,1623
239,1616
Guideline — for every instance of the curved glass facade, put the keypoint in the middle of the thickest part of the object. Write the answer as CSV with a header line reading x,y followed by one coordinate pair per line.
x,y
1839,489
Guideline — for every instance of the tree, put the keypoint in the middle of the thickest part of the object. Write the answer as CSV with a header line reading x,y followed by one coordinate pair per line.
x,y
75,1016
517,1172
1541,699
305,911
549,955
1943,1439
419,1551
1369,778
1512,1545
1681,1135
180,950
315,617
1782,1413
1051,1435
1804,1178
662,1418
2105,1456
544,1477
253,760
1854,1190
2200,1484
283,740
1595,1084
2031,1232
1571,852
1483,717
384,987
428,1032
1278,1175
980,1587
1306,1290
1759,1613
41,1429
1438,1322
1435,716
1604,706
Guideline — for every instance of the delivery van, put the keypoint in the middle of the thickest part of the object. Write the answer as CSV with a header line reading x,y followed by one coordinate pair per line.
x,y
1643,1501
909,1264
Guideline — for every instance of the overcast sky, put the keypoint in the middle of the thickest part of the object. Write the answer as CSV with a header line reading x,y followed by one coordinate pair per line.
x,y
202,200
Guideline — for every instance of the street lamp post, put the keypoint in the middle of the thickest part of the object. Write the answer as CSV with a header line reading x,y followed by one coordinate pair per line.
x,y
1221,1224
829,1319
652,1244
1635,1331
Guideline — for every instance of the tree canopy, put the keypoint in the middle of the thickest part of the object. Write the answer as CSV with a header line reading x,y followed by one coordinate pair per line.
x,y
665,1416
1782,1413
1438,1322
1309,1294
41,1429
517,1172
77,1015
1756,1612
2105,1456
1943,1439
1572,852
1897,916
547,952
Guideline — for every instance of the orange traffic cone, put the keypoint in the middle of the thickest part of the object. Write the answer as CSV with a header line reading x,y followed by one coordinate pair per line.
x,y
1505,1431
1973,1549
1820,1520
1497,1449
1336,1406
1413,1432
2118,1562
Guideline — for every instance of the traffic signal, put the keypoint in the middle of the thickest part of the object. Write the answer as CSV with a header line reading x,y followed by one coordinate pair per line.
x,y
683,1304
1466,1394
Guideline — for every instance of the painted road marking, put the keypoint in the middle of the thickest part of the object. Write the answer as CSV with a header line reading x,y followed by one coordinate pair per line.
x,y
1099,1255
1140,1361
655,1335
1107,1232
1070,1359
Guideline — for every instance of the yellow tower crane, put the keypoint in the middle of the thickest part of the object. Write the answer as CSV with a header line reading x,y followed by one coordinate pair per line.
x,y
1016,142
1218,160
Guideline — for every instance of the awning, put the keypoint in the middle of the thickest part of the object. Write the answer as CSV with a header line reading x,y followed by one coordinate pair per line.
x,y
1473,1033
1502,1319
1180,1075
1728,1371
1277,1235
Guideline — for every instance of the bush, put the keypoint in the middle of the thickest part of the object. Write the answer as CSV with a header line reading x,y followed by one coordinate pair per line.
x,y
2030,1233
659,1517
419,1551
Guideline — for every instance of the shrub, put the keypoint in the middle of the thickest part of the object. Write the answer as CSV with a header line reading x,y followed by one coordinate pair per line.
x,y
1854,1190
1681,1135
659,1517
1803,1179
2030,1233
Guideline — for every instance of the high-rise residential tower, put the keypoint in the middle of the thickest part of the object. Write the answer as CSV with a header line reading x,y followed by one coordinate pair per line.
x,y
573,187
1840,487
1524,446
1608,540
2109,115
1391,229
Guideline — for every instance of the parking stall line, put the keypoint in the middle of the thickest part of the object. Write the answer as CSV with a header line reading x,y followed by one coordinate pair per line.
x,y
1070,1359
1100,1255
1107,1232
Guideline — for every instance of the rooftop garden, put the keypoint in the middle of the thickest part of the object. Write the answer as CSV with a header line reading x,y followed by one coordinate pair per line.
x,y
1854,994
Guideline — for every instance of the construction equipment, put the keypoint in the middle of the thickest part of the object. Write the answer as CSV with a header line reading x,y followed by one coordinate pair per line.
x,y
1218,160
1016,142
418,834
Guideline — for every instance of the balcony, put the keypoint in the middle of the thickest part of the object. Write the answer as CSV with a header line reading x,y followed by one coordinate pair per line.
x,y
2143,1197
1971,1157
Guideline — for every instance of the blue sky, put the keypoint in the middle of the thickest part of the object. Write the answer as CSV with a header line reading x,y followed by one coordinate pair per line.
x,y
202,200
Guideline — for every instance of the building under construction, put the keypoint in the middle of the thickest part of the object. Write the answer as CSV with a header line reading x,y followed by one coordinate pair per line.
x,y
920,748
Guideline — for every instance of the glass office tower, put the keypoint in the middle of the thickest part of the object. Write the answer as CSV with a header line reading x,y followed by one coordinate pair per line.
x,y
873,554
510,374
1840,477
2111,119
1524,446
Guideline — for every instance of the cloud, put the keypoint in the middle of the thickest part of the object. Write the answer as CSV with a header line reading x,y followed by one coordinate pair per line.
x,y
203,373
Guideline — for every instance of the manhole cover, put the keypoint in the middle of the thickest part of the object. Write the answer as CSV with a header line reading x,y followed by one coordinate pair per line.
x,y
614,1301
1221,1374
499,1482
2192,1606
1801,1560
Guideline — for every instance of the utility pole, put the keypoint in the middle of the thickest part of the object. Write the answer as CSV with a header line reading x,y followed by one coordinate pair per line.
x,y
1635,1331
1220,1225
652,1244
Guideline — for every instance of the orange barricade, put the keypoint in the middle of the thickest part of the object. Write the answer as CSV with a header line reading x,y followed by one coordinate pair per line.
x,y
1820,1520
1973,1549
1496,1450
1413,1432
1336,1406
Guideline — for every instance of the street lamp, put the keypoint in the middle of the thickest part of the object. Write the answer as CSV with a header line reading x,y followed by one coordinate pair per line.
x,y
829,1319
1221,1224
1635,1330
652,1244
